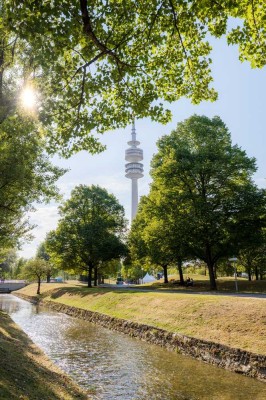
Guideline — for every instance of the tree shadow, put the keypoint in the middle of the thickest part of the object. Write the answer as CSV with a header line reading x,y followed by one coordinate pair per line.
x,y
80,291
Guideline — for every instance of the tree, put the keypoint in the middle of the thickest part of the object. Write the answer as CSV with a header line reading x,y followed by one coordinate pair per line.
x,y
197,168
19,267
156,236
8,258
96,63
35,268
90,231
44,255
253,255
26,176
108,268
147,239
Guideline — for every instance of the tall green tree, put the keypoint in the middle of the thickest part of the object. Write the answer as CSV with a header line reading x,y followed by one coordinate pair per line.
x,y
35,269
26,177
19,267
199,169
253,255
90,231
26,174
155,236
43,254
8,260
96,62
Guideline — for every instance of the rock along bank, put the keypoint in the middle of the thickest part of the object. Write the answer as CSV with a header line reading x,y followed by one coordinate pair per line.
x,y
235,360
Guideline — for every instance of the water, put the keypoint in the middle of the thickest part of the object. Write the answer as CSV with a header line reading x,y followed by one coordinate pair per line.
x,y
119,367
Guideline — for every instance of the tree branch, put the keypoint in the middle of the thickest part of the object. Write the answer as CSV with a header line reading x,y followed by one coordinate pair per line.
x,y
154,20
180,36
82,92
255,22
90,33
218,4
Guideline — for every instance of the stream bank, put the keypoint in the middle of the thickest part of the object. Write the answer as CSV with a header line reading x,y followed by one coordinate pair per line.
x,y
233,359
26,372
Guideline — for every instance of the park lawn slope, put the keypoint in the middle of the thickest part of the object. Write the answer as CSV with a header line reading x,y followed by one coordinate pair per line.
x,y
26,373
236,322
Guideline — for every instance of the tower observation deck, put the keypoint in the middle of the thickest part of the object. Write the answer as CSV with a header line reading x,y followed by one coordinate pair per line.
x,y
134,169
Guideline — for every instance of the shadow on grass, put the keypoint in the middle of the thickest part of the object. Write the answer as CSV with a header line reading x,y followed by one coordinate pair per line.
x,y
223,285
80,291
26,373
85,291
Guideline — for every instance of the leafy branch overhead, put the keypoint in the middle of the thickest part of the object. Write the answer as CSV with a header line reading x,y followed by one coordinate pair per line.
x,y
96,62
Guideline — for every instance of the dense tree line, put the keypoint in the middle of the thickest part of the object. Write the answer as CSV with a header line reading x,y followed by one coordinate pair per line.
x,y
202,204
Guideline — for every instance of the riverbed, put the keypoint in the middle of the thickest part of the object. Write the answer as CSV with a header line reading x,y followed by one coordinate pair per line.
x,y
119,367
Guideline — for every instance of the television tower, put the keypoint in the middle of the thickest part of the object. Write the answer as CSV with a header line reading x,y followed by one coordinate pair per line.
x,y
134,169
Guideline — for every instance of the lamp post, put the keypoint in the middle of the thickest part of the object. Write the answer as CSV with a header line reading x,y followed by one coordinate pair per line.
x,y
234,260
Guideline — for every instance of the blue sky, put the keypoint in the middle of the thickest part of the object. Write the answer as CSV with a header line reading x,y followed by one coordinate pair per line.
x,y
241,105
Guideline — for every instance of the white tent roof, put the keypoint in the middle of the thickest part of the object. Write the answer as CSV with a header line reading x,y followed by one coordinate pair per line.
x,y
148,278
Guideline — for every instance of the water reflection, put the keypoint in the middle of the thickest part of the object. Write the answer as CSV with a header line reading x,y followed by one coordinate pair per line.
x,y
119,367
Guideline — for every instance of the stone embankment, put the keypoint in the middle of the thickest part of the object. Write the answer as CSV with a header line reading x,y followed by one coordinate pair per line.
x,y
236,360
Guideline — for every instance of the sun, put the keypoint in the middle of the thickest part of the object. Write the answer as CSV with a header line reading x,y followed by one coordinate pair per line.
x,y
28,98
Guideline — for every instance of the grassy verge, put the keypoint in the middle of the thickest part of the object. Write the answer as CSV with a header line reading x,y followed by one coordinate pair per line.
x,y
201,283
236,322
26,373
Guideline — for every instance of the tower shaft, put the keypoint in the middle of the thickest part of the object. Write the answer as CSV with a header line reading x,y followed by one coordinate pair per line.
x,y
134,169
134,197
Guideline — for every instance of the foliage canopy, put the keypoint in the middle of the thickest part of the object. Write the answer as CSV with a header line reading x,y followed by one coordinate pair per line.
x,y
90,231
205,186
95,63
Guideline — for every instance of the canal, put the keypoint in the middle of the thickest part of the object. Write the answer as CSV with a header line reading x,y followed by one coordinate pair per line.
x,y
119,367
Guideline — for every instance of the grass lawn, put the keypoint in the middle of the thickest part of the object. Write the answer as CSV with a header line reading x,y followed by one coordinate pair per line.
x,y
237,322
26,373
201,283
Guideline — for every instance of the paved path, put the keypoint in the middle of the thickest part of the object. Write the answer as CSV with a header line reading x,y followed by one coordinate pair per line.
x,y
140,289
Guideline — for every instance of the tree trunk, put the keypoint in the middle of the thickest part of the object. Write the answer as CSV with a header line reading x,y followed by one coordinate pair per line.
x,y
165,273
256,273
215,271
39,286
89,275
210,265
180,271
95,276
249,274
100,279
48,277
212,277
